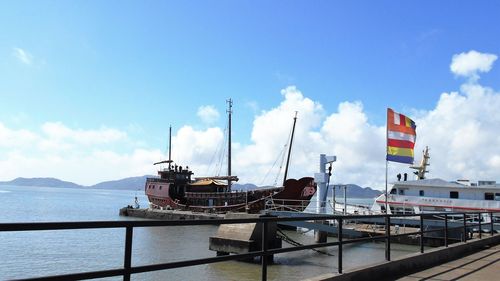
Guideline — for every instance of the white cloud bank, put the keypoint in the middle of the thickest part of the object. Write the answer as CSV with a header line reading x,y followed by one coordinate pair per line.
x,y
462,131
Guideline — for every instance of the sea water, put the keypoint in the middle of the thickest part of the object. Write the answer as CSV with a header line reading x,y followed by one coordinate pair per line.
x,y
41,253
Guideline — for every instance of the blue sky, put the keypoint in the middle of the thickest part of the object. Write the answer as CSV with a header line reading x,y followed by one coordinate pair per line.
x,y
138,66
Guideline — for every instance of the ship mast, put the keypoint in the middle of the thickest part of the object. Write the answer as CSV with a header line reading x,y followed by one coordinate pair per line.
x,y
229,111
422,168
290,148
169,147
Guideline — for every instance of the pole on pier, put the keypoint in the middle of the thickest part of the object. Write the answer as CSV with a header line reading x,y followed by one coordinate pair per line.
x,y
127,263
388,238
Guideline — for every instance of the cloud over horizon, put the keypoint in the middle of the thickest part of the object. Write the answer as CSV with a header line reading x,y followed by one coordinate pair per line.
x,y
461,130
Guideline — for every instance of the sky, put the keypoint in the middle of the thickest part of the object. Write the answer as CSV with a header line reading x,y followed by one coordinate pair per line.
x,y
88,89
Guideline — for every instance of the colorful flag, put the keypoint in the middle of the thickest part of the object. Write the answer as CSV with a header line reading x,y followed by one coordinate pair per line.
x,y
401,136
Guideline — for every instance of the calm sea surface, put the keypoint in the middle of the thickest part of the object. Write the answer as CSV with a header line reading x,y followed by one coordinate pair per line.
x,y
39,253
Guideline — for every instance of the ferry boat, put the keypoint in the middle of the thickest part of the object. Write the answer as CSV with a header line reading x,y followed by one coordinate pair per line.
x,y
436,195
176,188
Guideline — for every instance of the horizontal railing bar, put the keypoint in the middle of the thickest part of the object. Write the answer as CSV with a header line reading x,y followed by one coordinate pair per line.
x,y
31,226
364,239
186,263
302,247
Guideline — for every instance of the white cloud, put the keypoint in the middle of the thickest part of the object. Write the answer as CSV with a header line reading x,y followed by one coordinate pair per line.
x,y
208,114
462,132
471,63
82,156
23,56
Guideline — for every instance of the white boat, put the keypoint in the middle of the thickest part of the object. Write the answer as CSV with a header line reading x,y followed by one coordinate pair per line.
x,y
437,195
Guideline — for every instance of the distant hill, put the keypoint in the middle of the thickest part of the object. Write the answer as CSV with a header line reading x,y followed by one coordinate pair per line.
x,y
132,183
355,191
47,182
246,186
137,183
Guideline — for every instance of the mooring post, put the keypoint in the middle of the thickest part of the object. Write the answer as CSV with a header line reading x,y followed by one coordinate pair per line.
x,y
339,228
263,257
465,227
479,216
388,237
445,230
421,233
128,253
491,223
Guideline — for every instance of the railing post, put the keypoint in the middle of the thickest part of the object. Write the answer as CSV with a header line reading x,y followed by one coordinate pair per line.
x,y
421,233
339,229
465,227
445,230
128,253
388,238
263,257
491,223
479,220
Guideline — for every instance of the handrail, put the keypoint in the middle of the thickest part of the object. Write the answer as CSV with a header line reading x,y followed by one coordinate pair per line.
x,y
129,226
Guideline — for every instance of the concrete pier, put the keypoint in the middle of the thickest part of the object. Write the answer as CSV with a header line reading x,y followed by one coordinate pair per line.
x,y
158,214
414,263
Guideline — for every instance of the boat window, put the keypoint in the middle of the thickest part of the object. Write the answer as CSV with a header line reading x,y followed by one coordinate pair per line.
x,y
421,193
393,191
454,194
497,196
489,196
160,187
401,192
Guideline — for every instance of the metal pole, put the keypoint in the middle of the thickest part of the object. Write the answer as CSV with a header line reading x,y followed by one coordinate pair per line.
x,y
263,258
339,228
445,230
421,233
491,223
229,111
388,238
479,220
128,253
169,148
290,148
465,227
386,207
345,200
334,204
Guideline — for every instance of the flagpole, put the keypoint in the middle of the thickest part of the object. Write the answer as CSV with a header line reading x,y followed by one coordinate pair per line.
x,y
386,164
386,161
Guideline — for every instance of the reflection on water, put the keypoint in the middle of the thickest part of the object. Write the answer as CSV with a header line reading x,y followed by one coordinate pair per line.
x,y
29,254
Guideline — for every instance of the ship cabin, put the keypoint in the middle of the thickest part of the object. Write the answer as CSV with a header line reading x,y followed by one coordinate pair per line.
x,y
483,190
437,195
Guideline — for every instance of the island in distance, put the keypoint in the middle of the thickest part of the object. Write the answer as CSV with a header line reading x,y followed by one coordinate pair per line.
x,y
137,183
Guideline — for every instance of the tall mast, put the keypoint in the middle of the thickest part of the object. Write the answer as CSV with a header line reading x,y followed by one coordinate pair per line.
x,y
169,147
229,111
290,148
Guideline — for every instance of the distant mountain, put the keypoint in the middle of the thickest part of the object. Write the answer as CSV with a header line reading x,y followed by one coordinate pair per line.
x,y
246,186
137,183
132,183
355,191
46,182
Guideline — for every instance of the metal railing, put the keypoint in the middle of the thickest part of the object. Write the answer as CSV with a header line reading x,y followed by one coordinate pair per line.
x,y
128,269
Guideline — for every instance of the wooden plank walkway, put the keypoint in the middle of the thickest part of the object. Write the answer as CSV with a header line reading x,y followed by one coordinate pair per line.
x,y
483,265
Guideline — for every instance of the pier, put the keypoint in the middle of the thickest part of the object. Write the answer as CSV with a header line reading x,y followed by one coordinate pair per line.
x,y
471,242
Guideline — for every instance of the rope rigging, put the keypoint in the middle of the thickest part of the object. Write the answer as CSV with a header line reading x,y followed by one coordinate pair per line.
x,y
292,242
